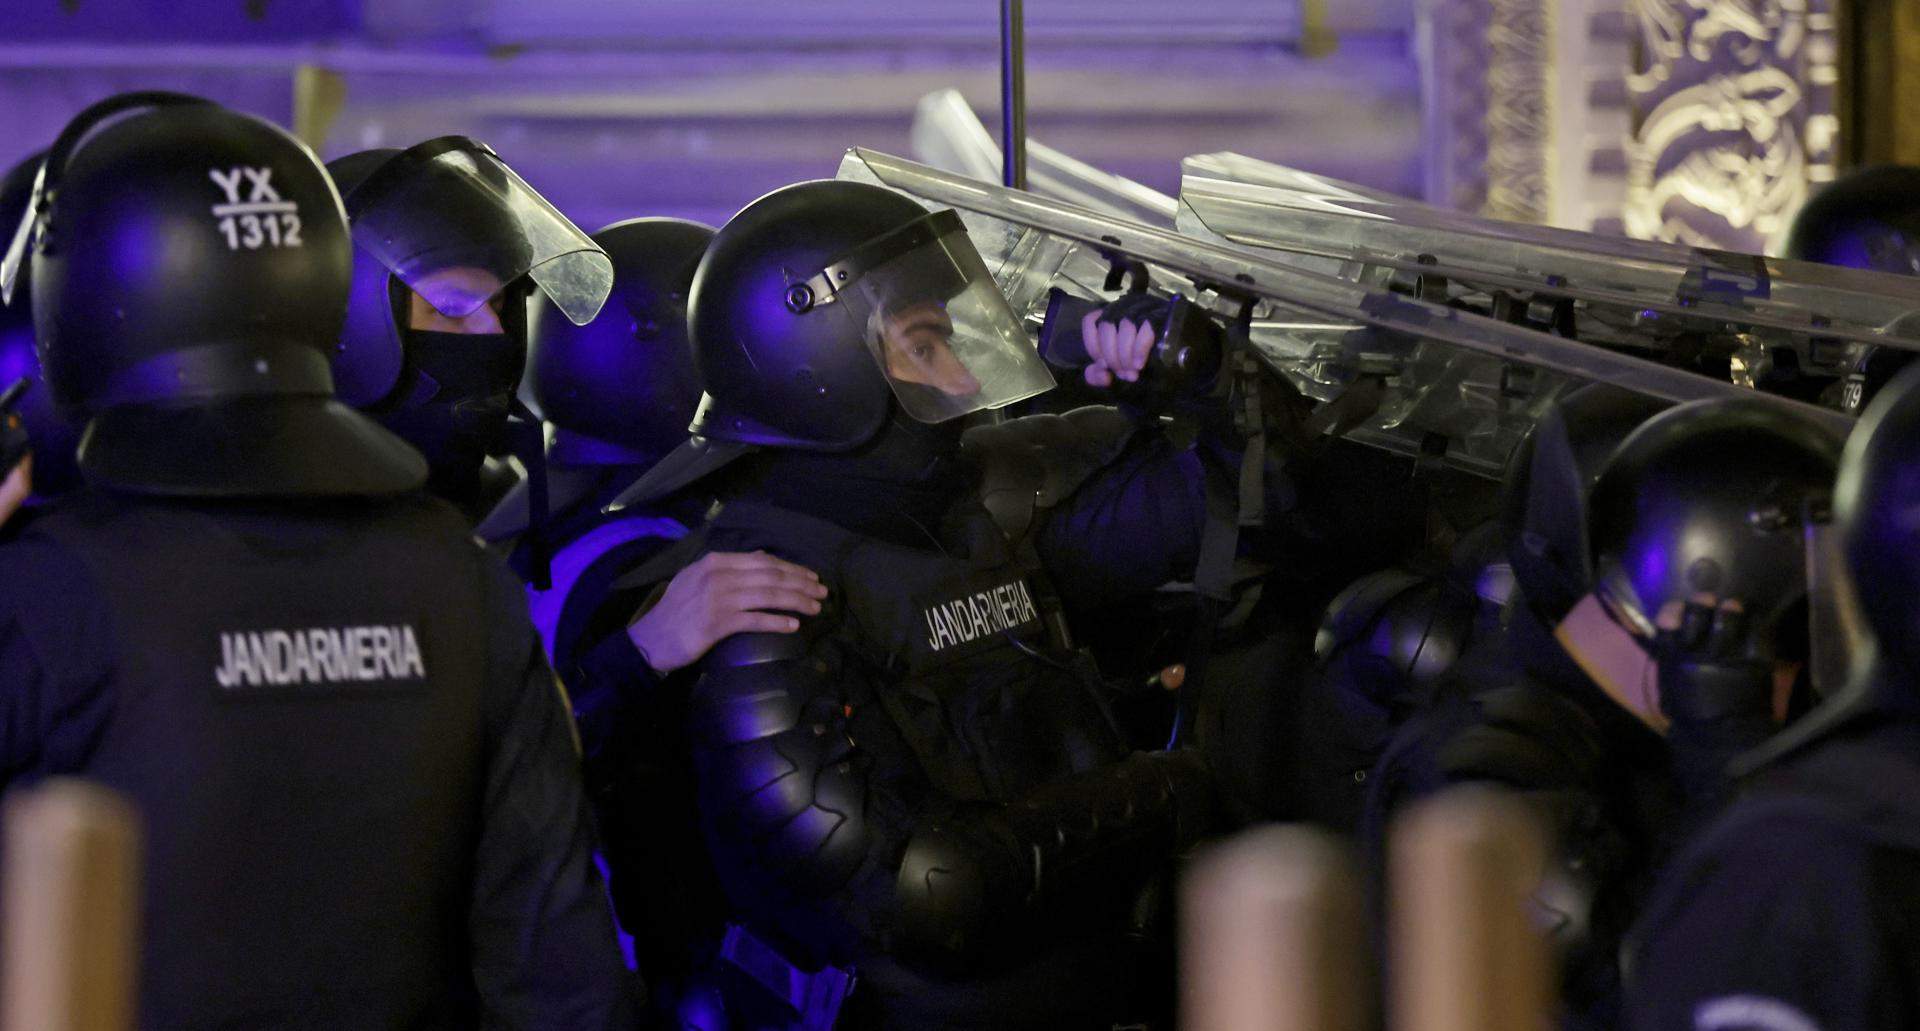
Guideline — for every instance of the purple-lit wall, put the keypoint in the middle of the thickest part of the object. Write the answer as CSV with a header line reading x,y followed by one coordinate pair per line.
x,y
617,108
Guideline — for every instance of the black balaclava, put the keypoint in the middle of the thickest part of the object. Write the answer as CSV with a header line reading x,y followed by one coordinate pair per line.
x,y
460,393
897,487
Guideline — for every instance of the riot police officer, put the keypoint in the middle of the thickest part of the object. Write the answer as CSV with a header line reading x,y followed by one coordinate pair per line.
x,y
1620,720
361,798
1867,219
1797,908
618,394
924,785
1526,716
450,242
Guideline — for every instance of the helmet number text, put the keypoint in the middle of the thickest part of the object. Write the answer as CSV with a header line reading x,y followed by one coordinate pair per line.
x,y
255,231
252,213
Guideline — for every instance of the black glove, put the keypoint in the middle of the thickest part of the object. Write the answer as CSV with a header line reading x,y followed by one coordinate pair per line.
x,y
1186,356
1137,308
1716,691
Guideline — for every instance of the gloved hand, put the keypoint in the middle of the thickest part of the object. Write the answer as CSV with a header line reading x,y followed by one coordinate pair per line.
x,y
1120,337
1713,687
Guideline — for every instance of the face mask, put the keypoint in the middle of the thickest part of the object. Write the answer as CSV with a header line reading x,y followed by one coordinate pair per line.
x,y
457,415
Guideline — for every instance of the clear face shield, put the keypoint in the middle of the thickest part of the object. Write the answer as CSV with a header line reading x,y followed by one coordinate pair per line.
x,y
456,225
19,239
936,323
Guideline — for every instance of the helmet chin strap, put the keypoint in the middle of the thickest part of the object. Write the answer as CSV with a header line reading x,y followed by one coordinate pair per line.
x,y
1613,658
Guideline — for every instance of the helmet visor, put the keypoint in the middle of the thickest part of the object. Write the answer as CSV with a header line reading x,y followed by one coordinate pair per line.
x,y
18,237
936,323
456,225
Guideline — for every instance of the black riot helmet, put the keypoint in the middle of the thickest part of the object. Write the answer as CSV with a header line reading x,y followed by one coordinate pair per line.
x,y
1867,576
622,389
1866,219
1545,510
1716,497
449,221
52,435
189,272
1877,494
446,231
824,310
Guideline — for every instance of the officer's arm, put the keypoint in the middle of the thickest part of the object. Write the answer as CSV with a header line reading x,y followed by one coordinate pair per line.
x,y
1773,925
1113,509
783,783
604,682
784,777
56,660
1131,527
716,596
544,953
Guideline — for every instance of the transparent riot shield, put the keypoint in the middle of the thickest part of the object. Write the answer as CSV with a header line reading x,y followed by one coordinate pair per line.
x,y
949,136
1454,384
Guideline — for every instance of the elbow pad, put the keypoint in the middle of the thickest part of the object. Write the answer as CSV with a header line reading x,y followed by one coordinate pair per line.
x,y
990,874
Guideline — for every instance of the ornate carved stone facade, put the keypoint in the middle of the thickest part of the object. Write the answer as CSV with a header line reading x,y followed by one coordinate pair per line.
x,y
1526,108
1520,114
1735,117
1699,121
1450,38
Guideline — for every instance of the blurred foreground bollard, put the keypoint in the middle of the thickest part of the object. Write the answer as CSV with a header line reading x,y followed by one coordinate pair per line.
x,y
1464,954
1270,935
72,902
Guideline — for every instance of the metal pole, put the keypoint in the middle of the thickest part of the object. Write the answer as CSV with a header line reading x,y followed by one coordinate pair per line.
x,y
1013,93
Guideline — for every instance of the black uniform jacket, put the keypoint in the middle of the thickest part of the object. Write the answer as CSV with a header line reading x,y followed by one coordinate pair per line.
x,y
358,781
1799,907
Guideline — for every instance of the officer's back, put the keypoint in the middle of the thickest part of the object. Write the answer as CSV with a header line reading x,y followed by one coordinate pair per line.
x,y
360,796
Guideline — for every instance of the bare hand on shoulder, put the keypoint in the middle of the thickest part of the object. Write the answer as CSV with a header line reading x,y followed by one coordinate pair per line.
x,y
723,594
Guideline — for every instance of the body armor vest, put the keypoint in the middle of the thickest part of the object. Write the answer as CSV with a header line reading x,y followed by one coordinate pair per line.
x,y
297,714
957,641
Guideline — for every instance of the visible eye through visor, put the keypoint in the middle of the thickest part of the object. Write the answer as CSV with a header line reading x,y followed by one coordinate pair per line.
x,y
934,320
456,225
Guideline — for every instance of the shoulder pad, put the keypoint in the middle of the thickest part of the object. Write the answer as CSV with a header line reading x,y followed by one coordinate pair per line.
x,y
1031,464
755,649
